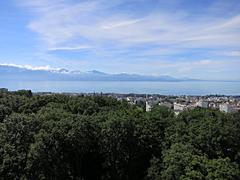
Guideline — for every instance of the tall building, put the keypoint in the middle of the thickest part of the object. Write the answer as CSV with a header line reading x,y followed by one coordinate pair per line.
x,y
148,107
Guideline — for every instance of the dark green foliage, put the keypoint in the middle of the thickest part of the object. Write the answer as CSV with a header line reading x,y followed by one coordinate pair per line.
x,y
97,137
16,134
4,111
27,93
67,149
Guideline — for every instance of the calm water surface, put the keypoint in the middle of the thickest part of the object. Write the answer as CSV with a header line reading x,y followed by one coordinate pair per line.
x,y
165,88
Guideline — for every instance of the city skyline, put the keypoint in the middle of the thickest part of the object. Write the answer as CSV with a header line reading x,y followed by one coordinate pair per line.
x,y
153,37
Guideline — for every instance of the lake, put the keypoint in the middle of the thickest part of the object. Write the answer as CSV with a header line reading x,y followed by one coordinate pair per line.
x,y
164,88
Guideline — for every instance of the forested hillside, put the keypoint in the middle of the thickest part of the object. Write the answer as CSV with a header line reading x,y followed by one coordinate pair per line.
x,y
64,137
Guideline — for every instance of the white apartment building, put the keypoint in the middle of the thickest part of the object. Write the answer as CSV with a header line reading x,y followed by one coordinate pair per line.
x,y
166,104
202,104
226,108
148,107
179,107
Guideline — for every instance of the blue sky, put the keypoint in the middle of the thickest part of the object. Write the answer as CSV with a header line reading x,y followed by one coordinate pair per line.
x,y
181,38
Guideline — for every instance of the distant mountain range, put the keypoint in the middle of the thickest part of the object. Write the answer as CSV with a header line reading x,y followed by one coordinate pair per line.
x,y
8,72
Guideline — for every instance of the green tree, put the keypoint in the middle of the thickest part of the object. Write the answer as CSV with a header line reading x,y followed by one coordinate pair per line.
x,y
16,135
66,149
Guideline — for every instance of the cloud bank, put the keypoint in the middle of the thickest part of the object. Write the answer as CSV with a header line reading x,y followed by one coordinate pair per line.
x,y
134,30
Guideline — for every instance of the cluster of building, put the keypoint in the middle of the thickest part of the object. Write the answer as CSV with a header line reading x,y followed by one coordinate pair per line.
x,y
227,104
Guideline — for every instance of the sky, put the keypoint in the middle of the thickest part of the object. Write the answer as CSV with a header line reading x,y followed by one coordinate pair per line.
x,y
181,38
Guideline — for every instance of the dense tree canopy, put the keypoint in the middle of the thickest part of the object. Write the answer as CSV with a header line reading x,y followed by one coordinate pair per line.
x,y
96,137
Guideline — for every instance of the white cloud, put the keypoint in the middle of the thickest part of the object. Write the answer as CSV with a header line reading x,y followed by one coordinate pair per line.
x,y
70,48
187,67
232,53
30,67
121,24
60,22
108,31
205,62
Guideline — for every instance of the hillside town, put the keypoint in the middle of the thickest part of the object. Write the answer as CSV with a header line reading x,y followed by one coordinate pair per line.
x,y
227,104
223,103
